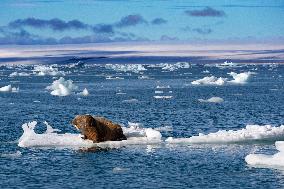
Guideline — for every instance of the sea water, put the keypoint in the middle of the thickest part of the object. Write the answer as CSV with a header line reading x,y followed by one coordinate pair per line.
x,y
209,126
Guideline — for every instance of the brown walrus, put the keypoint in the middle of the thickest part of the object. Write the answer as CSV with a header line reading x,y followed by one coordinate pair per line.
x,y
98,129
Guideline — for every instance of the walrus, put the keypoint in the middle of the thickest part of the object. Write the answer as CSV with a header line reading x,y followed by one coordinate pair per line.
x,y
98,129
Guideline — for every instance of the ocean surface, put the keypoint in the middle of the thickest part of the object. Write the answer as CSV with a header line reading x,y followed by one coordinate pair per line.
x,y
188,125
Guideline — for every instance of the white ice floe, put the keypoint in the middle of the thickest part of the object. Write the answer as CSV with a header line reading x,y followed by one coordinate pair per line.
x,y
250,134
240,78
212,100
268,161
15,74
176,66
51,139
163,87
42,70
212,80
136,68
85,92
62,87
9,88
162,97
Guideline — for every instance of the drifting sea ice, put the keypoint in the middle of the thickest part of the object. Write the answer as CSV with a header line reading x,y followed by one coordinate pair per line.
x,y
9,88
42,70
85,92
51,139
212,100
240,78
212,80
62,87
272,161
249,134
136,68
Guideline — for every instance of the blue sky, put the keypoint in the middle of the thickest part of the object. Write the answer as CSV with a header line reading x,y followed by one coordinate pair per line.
x,y
59,21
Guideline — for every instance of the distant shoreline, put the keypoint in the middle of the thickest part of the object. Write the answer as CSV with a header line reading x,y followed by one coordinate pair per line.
x,y
143,53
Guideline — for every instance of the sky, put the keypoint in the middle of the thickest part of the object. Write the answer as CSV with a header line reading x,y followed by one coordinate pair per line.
x,y
29,22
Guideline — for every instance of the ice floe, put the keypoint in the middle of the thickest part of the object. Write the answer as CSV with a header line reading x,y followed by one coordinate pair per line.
x,y
249,134
51,139
9,88
62,87
268,161
238,78
20,74
85,92
43,70
136,68
212,80
212,100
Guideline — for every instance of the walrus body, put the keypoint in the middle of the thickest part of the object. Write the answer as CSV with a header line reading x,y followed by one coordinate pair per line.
x,y
98,129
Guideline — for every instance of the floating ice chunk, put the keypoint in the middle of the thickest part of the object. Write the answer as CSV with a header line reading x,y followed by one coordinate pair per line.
x,y
272,161
163,87
240,78
143,77
136,68
210,81
42,70
212,100
250,134
9,88
85,92
50,139
62,87
14,74
163,97
120,170
176,66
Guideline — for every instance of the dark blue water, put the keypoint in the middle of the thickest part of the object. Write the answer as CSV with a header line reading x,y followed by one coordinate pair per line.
x,y
259,101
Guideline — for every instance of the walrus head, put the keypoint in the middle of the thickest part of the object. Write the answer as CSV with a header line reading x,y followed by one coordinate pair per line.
x,y
81,122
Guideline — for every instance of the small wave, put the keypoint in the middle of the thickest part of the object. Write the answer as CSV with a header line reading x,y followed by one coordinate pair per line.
x,y
14,155
250,134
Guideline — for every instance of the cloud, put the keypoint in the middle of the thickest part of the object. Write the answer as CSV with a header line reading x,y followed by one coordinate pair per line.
x,y
103,28
203,31
131,20
158,21
168,38
54,24
23,37
206,12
